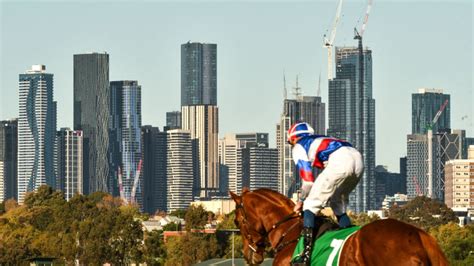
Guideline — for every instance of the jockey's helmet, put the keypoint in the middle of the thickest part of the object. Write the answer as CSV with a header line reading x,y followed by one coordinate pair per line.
x,y
299,130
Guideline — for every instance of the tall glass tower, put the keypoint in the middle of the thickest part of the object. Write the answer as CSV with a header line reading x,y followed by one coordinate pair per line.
x,y
91,115
199,113
425,104
8,159
198,74
125,136
352,116
36,131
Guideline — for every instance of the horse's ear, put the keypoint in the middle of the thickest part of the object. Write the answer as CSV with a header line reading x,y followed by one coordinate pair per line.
x,y
235,197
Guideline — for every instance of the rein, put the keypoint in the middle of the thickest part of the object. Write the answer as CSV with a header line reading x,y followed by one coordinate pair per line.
x,y
279,244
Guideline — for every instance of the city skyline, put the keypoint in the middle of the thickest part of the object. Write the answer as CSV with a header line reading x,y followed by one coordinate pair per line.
x,y
413,57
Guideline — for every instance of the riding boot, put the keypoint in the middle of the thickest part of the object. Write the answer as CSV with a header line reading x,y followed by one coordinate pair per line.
x,y
344,220
304,259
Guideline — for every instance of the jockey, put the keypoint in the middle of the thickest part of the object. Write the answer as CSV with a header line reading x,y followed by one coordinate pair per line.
x,y
342,167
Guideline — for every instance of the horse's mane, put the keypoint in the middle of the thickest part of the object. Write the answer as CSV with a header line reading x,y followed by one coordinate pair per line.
x,y
271,196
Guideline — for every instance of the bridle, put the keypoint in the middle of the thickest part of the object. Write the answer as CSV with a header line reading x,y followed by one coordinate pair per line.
x,y
263,236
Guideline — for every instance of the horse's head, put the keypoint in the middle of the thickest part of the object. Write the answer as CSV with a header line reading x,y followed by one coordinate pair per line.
x,y
251,227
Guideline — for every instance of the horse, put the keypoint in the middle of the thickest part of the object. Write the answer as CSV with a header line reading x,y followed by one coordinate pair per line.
x,y
266,218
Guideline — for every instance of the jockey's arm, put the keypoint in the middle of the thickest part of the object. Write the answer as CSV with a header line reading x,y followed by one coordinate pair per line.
x,y
304,168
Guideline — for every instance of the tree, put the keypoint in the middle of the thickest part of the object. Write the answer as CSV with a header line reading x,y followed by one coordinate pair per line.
x,y
178,213
423,212
363,218
456,242
154,252
227,222
191,248
196,217
172,226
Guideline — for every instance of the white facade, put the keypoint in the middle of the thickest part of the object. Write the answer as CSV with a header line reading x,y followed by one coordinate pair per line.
x,y
202,123
69,149
459,177
36,131
179,169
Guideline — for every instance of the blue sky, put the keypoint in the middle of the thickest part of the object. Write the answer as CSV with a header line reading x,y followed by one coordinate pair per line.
x,y
415,44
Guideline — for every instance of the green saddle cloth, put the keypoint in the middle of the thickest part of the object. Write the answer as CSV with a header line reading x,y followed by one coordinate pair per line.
x,y
327,248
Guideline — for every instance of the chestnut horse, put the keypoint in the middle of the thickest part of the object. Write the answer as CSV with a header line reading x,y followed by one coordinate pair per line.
x,y
266,217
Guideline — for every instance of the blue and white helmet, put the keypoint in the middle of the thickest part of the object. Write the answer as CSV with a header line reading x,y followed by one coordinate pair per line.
x,y
299,130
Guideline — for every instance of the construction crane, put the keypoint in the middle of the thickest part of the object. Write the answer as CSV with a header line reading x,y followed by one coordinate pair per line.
x,y
328,42
417,186
430,147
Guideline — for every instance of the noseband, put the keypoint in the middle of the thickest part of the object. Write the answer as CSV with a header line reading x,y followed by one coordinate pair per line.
x,y
253,245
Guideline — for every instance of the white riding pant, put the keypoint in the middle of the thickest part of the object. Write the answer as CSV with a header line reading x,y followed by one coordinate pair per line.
x,y
343,171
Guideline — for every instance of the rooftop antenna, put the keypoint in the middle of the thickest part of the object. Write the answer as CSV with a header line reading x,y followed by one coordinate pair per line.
x,y
318,93
285,93
297,89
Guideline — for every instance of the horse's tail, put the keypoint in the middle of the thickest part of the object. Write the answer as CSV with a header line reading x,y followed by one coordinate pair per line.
x,y
435,254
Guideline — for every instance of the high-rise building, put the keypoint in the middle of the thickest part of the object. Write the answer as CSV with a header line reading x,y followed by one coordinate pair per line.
x,y
199,113
125,138
8,159
257,167
69,160
229,147
425,104
446,146
387,184
154,150
179,169
202,122
309,109
36,131
173,120
91,115
352,116
198,74
459,180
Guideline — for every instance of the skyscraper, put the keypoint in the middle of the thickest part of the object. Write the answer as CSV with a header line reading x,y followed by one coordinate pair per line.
x,y
257,167
425,105
446,146
91,115
352,116
173,120
309,109
198,74
154,150
8,159
202,122
179,169
125,138
199,113
229,147
36,131
69,161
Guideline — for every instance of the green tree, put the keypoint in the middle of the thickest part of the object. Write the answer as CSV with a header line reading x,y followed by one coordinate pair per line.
x,y
456,242
191,248
423,212
196,217
154,252
227,222
172,226
363,218
178,213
